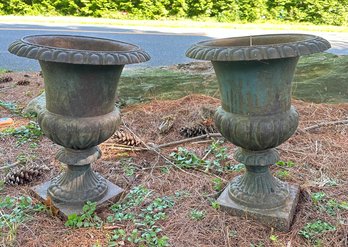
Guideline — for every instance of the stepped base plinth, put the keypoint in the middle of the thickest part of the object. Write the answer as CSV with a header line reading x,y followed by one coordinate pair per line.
x,y
280,218
63,210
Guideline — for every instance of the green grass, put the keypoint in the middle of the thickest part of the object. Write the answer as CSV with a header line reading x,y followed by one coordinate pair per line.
x,y
319,78
3,71
141,85
322,78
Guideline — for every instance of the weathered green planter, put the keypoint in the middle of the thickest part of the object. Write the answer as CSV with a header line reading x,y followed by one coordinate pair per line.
x,y
81,76
255,75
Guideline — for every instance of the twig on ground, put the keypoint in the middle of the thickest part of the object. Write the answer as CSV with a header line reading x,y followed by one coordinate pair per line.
x,y
156,151
124,147
10,165
210,174
154,165
202,142
113,227
148,168
206,155
282,167
189,140
303,153
214,195
228,237
149,147
291,151
326,124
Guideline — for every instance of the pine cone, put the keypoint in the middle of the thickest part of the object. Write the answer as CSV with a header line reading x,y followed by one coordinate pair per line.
x,y
193,131
5,79
125,138
25,174
209,125
166,124
203,128
23,82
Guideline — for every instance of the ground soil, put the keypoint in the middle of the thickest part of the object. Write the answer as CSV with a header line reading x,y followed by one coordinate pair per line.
x,y
320,157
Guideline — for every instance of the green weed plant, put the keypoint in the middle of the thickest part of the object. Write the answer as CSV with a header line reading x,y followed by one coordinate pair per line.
x,y
87,218
15,211
26,133
196,214
329,205
186,159
145,211
10,106
283,174
217,184
312,230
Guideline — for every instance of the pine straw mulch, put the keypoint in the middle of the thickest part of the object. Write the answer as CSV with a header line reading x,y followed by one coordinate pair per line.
x,y
320,155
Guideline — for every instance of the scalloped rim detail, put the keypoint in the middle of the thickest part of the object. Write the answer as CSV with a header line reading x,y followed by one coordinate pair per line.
x,y
205,50
24,48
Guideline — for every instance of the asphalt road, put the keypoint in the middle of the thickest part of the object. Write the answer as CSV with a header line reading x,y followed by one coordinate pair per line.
x,y
166,46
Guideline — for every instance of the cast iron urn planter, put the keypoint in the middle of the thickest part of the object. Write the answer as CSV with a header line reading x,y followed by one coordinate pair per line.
x,y
255,75
81,76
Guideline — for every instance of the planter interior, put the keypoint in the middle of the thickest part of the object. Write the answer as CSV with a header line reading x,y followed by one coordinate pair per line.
x,y
81,75
255,75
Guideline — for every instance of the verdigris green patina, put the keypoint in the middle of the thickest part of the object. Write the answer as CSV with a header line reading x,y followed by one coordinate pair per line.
x,y
81,75
255,75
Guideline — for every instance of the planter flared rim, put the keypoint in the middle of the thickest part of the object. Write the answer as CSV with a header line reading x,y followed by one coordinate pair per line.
x,y
248,48
127,55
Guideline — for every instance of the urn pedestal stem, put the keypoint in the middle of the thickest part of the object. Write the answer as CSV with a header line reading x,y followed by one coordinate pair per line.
x,y
78,183
256,115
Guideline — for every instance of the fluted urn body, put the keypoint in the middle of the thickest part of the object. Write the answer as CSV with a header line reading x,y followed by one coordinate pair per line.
x,y
81,75
255,75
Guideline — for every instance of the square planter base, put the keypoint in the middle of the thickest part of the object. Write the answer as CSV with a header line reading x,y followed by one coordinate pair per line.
x,y
63,211
279,218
